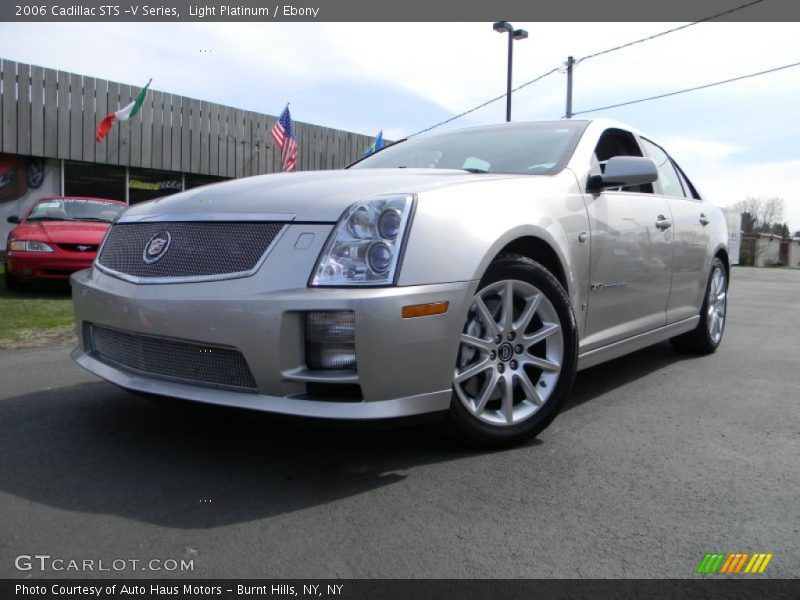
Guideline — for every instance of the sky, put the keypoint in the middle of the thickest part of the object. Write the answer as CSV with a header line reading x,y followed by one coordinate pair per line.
x,y
733,141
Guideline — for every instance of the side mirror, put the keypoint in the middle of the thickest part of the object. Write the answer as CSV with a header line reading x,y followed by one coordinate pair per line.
x,y
13,219
623,171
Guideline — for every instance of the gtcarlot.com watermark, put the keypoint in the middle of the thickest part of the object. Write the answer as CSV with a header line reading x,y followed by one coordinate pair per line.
x,y
55,564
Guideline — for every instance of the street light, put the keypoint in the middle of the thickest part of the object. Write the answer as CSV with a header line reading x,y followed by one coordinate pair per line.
x,y
513,34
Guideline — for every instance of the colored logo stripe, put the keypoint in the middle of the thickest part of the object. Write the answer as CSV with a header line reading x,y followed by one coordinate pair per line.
x,y
733,562
758,563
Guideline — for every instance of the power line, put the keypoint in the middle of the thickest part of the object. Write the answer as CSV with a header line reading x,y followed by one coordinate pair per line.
x,y
657,35
692,89
626,45
487,103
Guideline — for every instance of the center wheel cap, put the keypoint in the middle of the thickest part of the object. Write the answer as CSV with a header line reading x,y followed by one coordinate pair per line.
x,y
505,352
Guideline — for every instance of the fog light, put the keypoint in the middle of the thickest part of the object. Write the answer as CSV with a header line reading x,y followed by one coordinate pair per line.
x,y
325,355
330,340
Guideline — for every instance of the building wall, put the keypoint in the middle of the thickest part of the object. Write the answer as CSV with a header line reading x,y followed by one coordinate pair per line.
x,y
794,253
734,221
768,251
54,114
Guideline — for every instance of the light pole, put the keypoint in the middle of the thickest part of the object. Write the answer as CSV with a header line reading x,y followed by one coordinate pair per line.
x,y
513,34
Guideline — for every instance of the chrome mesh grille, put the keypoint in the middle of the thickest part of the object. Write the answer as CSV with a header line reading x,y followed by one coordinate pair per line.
x,y
189,361
196,250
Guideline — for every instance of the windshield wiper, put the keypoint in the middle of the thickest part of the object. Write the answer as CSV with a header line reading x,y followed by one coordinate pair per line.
x,y
474,170
92,219
49,219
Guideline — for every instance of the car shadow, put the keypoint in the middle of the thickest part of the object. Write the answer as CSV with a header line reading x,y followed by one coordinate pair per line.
x,y
596,381
94,448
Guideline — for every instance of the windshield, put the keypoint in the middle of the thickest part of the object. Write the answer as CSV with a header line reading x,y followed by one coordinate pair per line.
x,y
525,148
74,209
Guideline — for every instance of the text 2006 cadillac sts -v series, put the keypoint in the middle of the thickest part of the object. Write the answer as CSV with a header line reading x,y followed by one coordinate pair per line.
x,y
470,273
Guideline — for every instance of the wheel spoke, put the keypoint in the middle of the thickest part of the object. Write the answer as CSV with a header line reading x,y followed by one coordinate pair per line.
x,y
545,332
508,400
529,389
486,392
508,307
541,363
486,316
475,369
469,340
521,324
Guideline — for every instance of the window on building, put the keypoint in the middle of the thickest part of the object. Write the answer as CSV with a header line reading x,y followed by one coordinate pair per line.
x,y
97,181
146,184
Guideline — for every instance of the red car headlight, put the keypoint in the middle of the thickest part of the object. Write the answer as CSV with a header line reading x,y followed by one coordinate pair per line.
x,y
29,246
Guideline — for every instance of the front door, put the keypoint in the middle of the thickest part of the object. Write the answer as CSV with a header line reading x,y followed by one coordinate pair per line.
x,y
631,256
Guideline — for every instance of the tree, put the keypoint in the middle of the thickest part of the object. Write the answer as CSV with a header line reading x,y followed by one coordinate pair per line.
x,y
762,215
781,229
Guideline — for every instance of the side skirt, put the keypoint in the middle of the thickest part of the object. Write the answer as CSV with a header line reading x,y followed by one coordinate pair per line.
x,y
637,342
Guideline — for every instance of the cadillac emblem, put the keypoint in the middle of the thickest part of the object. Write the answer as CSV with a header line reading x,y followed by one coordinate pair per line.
x,y
156,247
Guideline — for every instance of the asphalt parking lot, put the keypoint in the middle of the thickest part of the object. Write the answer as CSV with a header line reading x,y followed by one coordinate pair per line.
x,y
657,459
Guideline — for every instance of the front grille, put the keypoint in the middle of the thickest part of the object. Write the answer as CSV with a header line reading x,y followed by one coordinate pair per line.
x,y
196,250
78,247
163,357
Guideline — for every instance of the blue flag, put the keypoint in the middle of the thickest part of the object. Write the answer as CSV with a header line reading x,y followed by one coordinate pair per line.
x,y
376,145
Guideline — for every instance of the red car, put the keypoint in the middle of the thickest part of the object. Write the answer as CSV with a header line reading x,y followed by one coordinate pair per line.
x,y
56,237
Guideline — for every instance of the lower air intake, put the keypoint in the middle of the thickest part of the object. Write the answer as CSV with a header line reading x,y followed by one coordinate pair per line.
x,y
191,362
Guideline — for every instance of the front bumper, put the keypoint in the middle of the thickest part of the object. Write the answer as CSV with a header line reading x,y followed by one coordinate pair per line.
x,y
58,265
404,366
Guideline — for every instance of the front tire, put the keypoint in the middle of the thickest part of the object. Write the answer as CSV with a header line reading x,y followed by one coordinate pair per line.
x,y
706,338
517,358
13,284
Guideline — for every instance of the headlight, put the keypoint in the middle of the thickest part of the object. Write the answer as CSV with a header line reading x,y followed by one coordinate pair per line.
x,y
29,246
365,246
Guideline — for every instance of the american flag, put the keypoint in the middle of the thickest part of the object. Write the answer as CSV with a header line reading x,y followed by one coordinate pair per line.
x,y
284,136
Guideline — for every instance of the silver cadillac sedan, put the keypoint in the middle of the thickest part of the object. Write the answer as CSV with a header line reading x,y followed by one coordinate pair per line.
x,y
469,273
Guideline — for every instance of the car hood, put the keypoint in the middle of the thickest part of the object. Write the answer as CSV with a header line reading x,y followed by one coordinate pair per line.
x,y
62,232
318,196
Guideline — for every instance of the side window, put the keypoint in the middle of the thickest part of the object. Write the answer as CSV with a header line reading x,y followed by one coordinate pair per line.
x,y
688,187
667,175
617,142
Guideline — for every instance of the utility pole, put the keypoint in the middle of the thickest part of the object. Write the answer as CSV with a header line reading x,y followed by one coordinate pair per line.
x,y
570,64
513,34
508,79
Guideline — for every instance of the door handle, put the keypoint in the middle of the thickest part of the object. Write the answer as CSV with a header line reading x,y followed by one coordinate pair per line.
x,y
663,222
704,220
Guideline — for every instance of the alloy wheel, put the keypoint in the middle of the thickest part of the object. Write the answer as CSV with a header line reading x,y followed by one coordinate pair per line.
x,y
511,353
717,304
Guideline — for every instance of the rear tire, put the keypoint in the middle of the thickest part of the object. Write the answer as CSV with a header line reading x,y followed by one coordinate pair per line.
x,y
706,337
517,358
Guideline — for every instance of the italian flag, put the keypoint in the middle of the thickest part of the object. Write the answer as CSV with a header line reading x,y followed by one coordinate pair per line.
x,y
123,114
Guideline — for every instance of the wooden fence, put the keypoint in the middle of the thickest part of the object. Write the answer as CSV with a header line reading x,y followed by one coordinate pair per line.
x,y
54,114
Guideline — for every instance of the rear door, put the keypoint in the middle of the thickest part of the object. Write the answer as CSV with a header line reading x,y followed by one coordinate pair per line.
x,y
690,258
